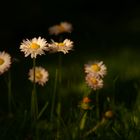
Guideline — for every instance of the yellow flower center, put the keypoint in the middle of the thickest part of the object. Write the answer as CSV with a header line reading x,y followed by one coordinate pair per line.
x,y
38,75
35,46
95,67
1,61
61,44
94,81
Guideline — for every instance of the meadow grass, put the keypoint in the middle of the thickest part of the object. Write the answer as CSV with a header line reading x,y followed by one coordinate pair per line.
x,y
120,95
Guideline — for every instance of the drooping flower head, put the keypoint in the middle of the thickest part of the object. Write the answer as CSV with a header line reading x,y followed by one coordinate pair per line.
x,y
34,47
86,100
93,81
109,114
5,62
64,46
96,68
41,75
63,27
85,103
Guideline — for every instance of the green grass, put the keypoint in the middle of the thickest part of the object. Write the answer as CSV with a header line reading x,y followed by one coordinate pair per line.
x,y
121,85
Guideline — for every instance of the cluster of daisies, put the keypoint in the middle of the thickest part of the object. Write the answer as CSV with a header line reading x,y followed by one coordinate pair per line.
x,y
38,46
95,72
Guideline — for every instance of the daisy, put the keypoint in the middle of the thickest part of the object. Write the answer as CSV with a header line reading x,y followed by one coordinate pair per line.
x,y
97,68
61,28
41,75
34,47
64,46
5,62
94,81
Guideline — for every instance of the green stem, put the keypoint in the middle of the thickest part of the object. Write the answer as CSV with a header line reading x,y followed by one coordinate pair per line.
x,y
34,104
97,106
102,122
58,119
9,92
60,68
116,132
58,108
54,95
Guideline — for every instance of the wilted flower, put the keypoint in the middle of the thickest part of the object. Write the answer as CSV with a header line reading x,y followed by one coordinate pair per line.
x,y
96,68
35,46
61,28
5,62
64,46
93,81
109,114
41,75
86,100
85,103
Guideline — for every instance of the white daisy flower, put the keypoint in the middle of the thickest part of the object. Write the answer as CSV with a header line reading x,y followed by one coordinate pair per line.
x,y
94,82
64,46
61,28
34,47
97,68
5,62
41,75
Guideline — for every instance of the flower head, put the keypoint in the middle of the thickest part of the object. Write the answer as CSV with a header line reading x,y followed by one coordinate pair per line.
x,y
85,103
64,46
86,100
60,28
33,47
5,62
41,75
96,68
93,81
109,114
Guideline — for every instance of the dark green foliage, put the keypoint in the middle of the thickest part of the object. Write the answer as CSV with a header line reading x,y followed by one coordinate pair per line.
x,y
121,94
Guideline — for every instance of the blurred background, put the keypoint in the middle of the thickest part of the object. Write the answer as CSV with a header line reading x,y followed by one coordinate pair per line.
x,y
107,24
103,30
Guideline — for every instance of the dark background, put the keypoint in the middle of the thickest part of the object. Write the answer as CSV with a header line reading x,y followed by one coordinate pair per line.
x,y
102,24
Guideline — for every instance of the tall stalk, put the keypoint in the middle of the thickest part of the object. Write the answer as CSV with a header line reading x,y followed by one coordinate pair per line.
x,y
97,106
54,95
34,104
9,93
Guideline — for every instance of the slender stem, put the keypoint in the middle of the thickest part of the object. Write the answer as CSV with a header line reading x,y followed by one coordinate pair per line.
x,y
9,92
114,90
34,104
58,119
54,95
60,68
116,132
102,122
97,106
58,108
